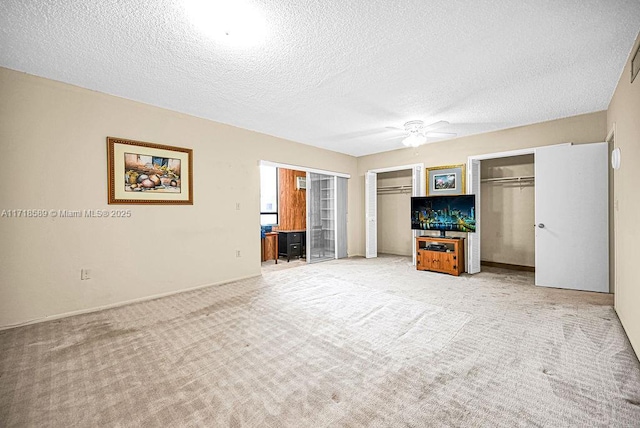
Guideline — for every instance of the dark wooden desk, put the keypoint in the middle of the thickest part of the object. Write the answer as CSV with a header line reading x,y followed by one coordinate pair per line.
x,y
291,244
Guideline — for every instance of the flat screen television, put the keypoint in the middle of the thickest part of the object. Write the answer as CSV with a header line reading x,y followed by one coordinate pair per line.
x,y
444,213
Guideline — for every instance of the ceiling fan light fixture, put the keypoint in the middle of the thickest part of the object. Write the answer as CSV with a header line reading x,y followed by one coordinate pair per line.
x,y
416,136
418,133
415,139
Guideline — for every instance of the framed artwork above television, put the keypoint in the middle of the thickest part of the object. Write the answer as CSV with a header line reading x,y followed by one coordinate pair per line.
x,y
446,180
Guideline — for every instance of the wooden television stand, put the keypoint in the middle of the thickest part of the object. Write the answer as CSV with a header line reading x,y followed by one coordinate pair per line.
x,y
450,260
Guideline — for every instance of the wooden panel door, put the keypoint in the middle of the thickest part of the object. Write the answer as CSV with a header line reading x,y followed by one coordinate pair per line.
x,y
436,260
447,262
424,260
292,202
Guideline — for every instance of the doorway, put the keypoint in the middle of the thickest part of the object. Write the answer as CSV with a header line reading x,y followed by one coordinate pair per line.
x,y
308,222
571,215
418,188
508,212
394,207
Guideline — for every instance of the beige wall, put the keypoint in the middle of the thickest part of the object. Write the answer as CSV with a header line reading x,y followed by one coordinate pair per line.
x,y
394,214
624,116
586,128
53,154
508,212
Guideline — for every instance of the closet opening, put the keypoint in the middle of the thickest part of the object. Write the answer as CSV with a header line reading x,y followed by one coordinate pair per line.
x,y
570,242
393,196
398,184
507,201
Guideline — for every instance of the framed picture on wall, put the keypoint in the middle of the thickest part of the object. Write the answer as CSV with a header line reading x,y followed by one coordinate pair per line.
x,y
446,180
148,173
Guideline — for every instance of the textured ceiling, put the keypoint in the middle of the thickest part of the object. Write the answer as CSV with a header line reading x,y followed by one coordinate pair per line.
x,y
334,73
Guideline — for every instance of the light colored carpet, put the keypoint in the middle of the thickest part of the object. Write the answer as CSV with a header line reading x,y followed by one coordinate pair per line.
x,y
271,266
350,342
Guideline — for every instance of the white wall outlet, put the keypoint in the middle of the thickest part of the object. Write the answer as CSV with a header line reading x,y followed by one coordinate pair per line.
x,y
238,206
85,274
237,253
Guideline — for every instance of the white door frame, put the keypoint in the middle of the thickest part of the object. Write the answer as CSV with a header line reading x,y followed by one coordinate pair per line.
x,y
335,217
471,183
611,139
371,214
415,192
304,168
308,170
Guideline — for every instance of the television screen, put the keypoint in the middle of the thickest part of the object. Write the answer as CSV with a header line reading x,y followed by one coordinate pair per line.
x,y
444,213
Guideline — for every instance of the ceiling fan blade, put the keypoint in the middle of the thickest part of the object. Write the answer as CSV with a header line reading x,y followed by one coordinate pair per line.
x,y
440,134
436,125
397,137
360,134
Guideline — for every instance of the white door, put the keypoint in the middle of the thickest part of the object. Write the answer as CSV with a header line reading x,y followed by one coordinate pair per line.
x,y
371,213
473,239
342,185
417,189
572,217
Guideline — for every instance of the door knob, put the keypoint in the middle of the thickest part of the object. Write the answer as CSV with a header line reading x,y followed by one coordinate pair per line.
x,y
541,225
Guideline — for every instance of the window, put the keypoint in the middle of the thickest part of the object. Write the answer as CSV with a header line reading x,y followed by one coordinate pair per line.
x,y
268,195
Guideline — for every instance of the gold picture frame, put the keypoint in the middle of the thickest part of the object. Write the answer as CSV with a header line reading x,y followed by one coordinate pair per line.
x,y
148,173
446,180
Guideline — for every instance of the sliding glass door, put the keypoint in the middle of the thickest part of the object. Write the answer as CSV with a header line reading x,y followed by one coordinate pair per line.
x,y
321,224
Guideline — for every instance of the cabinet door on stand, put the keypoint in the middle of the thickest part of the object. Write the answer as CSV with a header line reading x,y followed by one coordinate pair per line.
x,y
448,262
424,261
437,263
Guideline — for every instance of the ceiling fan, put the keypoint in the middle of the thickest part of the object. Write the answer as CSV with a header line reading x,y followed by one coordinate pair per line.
x,y
418,132
414,133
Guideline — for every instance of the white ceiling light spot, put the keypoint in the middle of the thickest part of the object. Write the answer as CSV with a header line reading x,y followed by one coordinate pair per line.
x,y
414,140
418,132
416,135
232,22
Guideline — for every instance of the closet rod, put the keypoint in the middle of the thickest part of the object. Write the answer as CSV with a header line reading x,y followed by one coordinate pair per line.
x,y
395,191
508,179
399,187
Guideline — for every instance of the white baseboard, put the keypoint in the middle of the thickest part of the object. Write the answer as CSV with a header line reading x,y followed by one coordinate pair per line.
x,y
118,304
